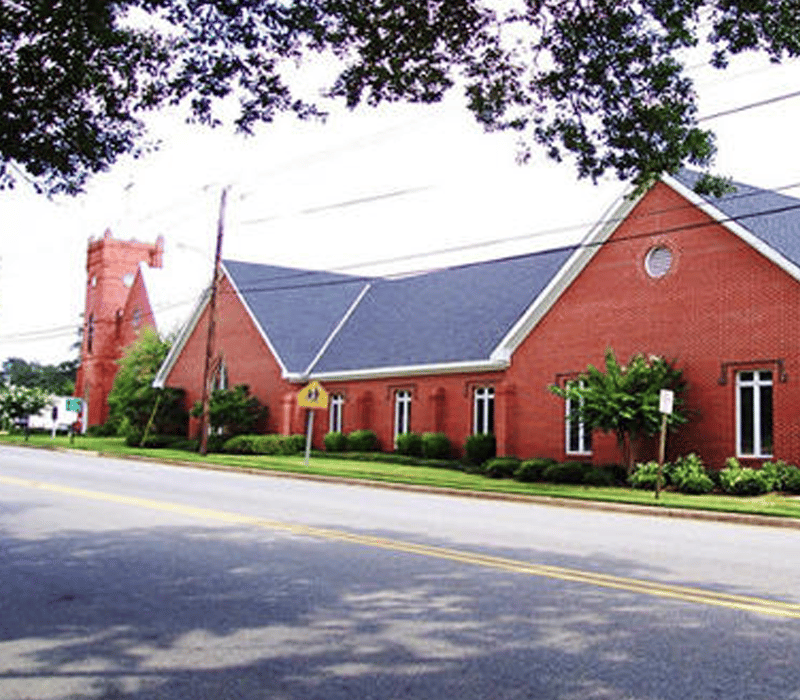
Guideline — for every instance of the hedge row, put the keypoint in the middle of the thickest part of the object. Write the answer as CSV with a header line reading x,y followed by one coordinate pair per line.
x,y
265,444
688,475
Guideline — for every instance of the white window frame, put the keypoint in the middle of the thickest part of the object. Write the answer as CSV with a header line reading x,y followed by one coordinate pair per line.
x,y
335,409
584,435
483,406
761,379
402,412
221,378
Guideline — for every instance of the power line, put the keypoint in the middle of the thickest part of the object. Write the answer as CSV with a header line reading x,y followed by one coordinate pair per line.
x,y
58,331
750,105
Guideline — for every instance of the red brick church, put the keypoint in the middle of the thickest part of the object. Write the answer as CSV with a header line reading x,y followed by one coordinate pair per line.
x,y
710,282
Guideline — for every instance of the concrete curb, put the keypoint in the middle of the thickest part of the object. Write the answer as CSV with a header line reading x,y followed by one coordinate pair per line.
x,y
629,509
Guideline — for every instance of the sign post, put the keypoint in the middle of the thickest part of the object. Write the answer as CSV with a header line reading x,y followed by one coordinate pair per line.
x,y
666,401
312,397
77,406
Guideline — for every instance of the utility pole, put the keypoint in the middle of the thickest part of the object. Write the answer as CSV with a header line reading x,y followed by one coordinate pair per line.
x,y
212,312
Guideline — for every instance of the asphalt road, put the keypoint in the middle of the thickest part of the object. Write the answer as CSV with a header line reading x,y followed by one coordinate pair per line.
x,y
134,580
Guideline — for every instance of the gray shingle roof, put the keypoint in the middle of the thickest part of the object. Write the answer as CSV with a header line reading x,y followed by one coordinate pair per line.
x,y
296,309
458,314
772,217
454,315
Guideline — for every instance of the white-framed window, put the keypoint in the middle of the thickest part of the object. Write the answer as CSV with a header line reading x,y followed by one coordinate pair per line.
x,y
483,410
335,408
754,413
578,438
221,379
402,412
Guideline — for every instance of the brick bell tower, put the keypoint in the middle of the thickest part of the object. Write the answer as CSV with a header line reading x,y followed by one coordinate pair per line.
x,y
111,267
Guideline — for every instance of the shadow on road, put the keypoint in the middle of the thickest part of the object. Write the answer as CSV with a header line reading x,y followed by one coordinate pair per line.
x,y
219,613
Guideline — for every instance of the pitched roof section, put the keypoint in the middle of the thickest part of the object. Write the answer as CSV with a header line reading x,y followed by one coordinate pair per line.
x,y
452,316
297,310
771,217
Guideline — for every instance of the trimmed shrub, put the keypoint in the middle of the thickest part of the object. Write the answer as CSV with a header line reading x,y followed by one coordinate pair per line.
x,y
480,447
689,476
362,441
133,438
619,473
107,429
598,476
435,446
791,479
532,469
644,476
501,467
241,444
335,442
293,444
265,444
409,444
740,481
565,473
775,473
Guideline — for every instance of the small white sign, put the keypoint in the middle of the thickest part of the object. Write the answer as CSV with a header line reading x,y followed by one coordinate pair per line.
x,y
666,401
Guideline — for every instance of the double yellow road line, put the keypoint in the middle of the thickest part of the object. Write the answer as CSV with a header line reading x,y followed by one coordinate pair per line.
x,y
763,606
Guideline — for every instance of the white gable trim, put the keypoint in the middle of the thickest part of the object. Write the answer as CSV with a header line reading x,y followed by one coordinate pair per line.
x,y
177,347
338,328
261,331
734,227
468,366
569,271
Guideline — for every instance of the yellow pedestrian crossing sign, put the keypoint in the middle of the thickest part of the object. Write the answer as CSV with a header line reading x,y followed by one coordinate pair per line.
x,y
313,396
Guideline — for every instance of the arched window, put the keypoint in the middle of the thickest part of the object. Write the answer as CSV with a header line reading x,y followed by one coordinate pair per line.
x,y
90,333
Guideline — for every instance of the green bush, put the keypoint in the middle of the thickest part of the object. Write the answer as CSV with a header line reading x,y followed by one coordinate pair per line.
x,y
480,447
689,476
265,444
133,438
598,476
435,446
619,473
565,473
335,442
362,441
532,469
775,473
409,444
107,429
740,481
293,444
644,476
501,467
791,479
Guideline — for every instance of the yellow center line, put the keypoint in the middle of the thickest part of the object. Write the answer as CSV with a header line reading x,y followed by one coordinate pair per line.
x,y
700,596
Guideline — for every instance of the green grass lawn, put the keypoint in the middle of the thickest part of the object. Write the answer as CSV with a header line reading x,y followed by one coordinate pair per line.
x,y
769,504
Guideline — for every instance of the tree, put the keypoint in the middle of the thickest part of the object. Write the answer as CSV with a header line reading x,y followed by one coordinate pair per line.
x,y
232,411
624,399
56,379
133,400
599,80
19,402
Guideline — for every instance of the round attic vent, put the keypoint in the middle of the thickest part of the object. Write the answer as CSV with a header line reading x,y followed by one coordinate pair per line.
x,y
658,261
127,279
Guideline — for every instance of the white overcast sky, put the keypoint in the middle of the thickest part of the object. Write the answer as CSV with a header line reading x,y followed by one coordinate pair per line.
x,y
453,185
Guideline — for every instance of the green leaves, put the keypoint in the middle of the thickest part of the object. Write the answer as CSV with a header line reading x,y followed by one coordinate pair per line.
x,y
624,399
17,402
599,82
133,398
